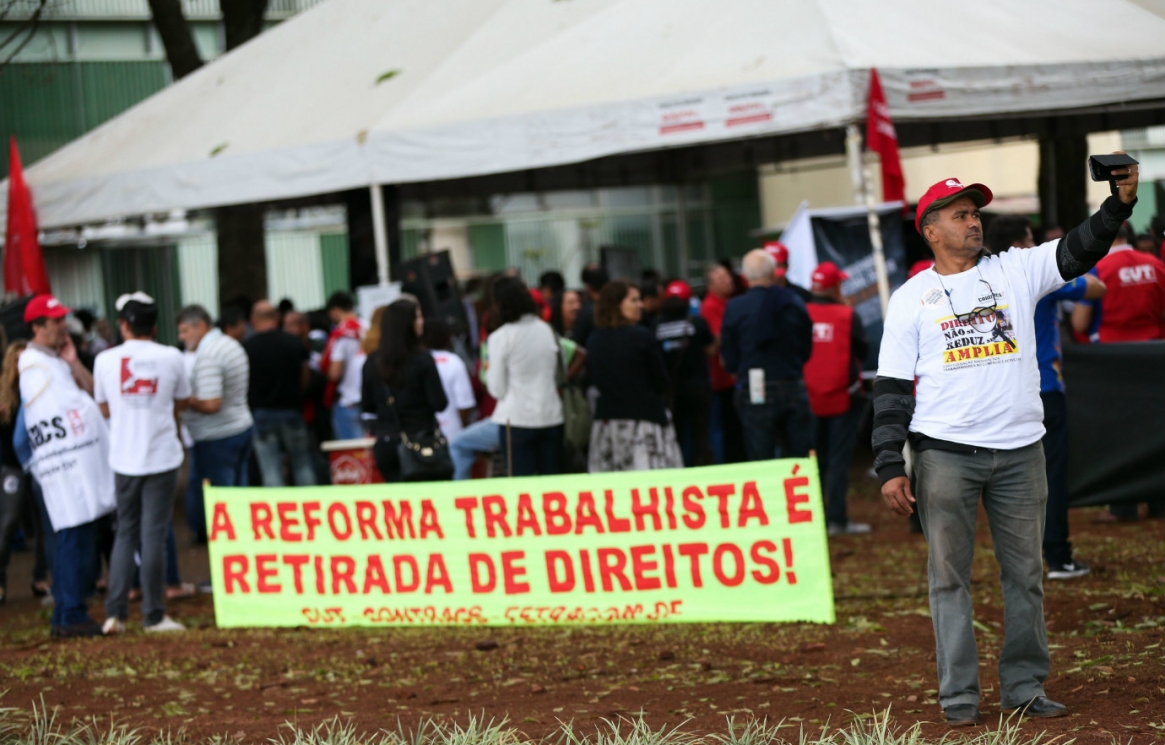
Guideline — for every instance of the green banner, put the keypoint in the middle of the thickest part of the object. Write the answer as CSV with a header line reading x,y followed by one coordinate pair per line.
x,y
742,542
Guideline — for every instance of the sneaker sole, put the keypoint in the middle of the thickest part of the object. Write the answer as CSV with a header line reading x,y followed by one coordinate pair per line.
x,y
1067,575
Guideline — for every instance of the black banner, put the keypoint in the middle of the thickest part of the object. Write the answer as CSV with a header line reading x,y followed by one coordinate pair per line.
x,y
844,239
1116,421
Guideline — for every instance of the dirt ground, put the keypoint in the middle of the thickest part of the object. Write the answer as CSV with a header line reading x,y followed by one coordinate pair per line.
x,y
1105,632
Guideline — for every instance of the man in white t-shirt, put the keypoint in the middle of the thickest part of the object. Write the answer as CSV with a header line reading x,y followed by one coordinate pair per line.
x,y
343,363
958,378
141,386
454,378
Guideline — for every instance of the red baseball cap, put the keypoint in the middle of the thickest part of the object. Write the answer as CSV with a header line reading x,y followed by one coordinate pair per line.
x,y
780,254
945,192
827,276
680,289
45,306
919,267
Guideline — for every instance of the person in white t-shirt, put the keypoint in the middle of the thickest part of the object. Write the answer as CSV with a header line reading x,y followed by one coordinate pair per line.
x,y
958,377
454,378
142,387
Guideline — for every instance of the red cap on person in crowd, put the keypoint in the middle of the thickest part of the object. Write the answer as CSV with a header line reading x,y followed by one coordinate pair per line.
x,y
827,276
543,306
919,267
679,288
44,306
945,192
780,254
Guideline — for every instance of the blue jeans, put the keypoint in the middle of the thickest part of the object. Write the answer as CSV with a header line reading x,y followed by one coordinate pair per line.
x,y
783,421
346,423
279,431
836,438
537,452
223,462
75,569
479,437
1013,487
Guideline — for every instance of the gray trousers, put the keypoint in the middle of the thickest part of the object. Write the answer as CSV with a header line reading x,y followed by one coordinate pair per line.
x,y
1014,489
145,507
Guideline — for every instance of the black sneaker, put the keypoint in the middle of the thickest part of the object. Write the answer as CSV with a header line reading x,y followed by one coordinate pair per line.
x,y
1067,570
962,715
76,631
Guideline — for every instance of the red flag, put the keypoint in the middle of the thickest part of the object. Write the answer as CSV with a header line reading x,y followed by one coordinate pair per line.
x,y
24,272
883,139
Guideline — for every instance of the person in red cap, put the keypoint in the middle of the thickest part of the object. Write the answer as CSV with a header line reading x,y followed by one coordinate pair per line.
x,y
727,437
780,253
833,380
965,330
70,460
687,344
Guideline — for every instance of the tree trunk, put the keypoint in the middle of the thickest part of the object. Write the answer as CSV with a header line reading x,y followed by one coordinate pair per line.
x,y
242,20
242,265
242,258
176,37
1063,183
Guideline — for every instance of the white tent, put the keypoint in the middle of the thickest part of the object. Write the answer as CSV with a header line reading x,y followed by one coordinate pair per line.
x,y
356,92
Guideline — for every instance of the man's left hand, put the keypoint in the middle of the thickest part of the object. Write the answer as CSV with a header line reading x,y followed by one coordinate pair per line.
x,y
1126,184
68,351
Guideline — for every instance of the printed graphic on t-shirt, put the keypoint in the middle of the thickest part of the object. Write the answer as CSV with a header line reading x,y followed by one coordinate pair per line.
x,y
136,378
981,339
823,332
1141,274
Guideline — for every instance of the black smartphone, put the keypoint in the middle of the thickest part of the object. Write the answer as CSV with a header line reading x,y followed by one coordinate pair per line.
x,y
1102,166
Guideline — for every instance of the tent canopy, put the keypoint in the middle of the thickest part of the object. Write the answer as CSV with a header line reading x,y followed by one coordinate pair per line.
x,y
355,92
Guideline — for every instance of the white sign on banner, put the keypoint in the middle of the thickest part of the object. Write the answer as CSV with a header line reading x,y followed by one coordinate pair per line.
x,y
371,297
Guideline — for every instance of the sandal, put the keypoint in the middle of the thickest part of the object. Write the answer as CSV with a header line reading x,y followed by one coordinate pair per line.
x,y
181,591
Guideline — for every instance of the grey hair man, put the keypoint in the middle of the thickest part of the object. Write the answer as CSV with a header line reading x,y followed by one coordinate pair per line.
x,y
765,340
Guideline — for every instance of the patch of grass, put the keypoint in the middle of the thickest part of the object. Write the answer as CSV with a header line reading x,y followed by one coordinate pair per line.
x,y
47,728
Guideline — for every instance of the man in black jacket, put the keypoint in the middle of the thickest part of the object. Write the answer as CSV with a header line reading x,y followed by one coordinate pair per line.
x,y
958,377
765,340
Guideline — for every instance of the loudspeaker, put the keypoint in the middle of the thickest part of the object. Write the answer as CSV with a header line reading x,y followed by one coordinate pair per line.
x,y
620,263
431,279
12,318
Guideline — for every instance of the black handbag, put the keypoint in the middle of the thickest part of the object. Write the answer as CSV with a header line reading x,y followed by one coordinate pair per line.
x,y
423,456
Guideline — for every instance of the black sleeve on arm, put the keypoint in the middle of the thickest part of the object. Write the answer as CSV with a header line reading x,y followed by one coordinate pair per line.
x,y
859,346
893,408
1089,242
434,391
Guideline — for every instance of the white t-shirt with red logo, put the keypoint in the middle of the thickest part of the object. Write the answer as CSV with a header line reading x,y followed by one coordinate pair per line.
x,y
140,381
978,379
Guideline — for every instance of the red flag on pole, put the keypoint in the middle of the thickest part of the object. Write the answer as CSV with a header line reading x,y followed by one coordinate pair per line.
x,y
24,272
882,139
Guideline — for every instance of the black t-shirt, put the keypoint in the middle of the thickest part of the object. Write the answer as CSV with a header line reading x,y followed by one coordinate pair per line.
x,y
625,364
277,360
683,342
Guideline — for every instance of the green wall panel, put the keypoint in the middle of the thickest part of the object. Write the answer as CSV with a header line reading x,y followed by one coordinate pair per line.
x,y
334,257
487,241
48,104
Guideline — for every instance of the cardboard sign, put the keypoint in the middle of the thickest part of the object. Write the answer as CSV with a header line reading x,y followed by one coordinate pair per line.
x,y
742,542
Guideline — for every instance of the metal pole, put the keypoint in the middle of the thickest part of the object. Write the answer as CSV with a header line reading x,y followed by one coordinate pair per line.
x,y
861,175
853,159
379,233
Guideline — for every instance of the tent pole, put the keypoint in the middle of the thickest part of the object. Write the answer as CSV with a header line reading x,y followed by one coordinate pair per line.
x,y
862,174
379,234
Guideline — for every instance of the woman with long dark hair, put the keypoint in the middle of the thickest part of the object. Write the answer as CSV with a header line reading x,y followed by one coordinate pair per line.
x,y
401,387
522,375
631,429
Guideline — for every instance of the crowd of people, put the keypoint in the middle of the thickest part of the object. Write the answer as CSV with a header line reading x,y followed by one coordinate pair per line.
x,y
610,376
